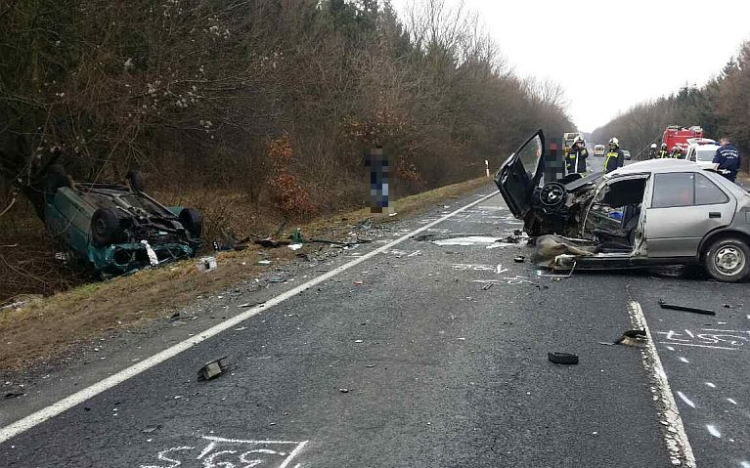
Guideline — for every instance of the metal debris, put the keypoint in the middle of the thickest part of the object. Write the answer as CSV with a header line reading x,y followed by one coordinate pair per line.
x,y
664,305
213,369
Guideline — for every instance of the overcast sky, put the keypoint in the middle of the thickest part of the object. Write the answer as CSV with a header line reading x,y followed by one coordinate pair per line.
x,y
610,55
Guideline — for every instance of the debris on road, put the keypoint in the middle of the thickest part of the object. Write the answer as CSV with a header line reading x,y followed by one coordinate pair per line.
x,y
358,283
11,395
213,369
150,429
664,305
296,246
344,390
175,317
276,279
264,262
487,286
563,358
635,338
519,259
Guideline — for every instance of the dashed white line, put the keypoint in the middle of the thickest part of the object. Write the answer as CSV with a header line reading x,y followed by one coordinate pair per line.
x,y
81,396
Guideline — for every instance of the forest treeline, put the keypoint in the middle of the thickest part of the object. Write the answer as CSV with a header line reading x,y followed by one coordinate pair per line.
x,y
721,107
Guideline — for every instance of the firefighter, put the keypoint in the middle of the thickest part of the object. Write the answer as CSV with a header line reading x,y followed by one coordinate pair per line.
x,y
677,152
652,151
663,152
728,159
576,157
615,157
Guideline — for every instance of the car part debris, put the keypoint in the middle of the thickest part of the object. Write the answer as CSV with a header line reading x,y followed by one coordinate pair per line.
x,y
213,369
563,358
664,305
344,390
635,338
358,283
276,279
206,264
11,395
487,286
175,317
519,259
295,246
263,262
270,243
150,429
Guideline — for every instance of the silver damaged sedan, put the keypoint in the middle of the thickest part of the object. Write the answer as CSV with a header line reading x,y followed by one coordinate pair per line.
x,y
650,213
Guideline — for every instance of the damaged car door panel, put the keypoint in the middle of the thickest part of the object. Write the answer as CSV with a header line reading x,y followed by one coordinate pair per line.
x,y
650,213
117,228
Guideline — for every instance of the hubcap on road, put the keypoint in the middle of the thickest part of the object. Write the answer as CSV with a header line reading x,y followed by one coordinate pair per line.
x,y
729,260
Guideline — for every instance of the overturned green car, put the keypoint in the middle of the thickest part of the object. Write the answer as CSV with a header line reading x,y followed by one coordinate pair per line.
x,y
117,228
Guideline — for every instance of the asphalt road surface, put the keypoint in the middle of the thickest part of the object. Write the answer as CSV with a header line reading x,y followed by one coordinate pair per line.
x,y
431,353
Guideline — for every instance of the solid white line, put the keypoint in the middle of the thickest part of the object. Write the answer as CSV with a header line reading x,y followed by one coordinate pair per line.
x,y
677,443
294,453
81,396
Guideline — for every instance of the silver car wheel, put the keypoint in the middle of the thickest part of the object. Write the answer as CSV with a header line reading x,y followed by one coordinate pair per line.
x,y
729,260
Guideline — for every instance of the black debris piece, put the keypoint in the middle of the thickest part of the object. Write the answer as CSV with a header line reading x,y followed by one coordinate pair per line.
x,y
664,305
563,358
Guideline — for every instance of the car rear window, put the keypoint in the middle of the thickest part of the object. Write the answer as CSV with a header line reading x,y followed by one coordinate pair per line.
x,y
675,189
707,193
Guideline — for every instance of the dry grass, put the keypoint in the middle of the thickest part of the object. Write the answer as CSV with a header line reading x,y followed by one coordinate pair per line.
x,y
45,329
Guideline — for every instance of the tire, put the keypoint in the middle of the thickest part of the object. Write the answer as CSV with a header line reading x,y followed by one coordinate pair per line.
x,y
192,221
54,179
727,260
135,178
105,227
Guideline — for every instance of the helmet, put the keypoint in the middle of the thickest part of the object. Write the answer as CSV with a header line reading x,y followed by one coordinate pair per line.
x,y
653,145
614,142
664,145
578,139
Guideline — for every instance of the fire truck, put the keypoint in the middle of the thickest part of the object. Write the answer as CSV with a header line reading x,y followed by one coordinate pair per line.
x,y
674,135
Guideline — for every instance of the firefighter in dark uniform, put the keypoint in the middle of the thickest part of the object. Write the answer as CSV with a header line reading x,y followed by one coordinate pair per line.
x,y
576,157
677,153
652,151
615,157
728,159
663,152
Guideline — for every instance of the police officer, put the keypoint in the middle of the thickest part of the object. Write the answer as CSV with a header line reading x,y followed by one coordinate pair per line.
x,y
728,159
615,156
652,151
576,158
663,152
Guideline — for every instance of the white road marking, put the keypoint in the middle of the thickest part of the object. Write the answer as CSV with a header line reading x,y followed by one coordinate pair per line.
x,y
677,442
81,396
698,345
686,399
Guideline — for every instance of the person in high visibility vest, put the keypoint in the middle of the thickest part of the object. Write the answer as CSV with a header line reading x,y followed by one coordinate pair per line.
x,y
663,153
615,157
677,153
576,157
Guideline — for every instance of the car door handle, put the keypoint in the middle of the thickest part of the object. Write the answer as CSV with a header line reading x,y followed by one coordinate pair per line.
x,y
714,214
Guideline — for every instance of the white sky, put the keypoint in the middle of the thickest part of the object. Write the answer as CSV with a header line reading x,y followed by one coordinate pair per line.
x,y
625,52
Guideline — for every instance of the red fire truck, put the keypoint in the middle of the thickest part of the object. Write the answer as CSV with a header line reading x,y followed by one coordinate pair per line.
x,y
674,135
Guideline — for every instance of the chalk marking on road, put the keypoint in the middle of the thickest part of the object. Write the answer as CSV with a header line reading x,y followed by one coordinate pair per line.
x,y
732,401
687,400
678,444
713,431
698,346
86,394
710,384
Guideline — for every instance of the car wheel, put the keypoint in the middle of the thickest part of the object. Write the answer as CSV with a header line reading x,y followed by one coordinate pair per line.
x,y
55,178
192,221
728,260
105,227
135,179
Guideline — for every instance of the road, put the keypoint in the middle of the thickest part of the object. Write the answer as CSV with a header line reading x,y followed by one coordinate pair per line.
x,y
431,353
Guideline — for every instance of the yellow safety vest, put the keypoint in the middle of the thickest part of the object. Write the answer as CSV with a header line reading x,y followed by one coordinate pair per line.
x,y
610,155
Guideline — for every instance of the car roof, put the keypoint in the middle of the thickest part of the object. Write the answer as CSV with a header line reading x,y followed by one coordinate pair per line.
x,y
657,166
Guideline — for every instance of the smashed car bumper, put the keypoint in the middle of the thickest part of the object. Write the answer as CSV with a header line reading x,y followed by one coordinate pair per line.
x,y
118,259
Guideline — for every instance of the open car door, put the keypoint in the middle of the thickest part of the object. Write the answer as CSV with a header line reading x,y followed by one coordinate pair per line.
x,y
520,174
